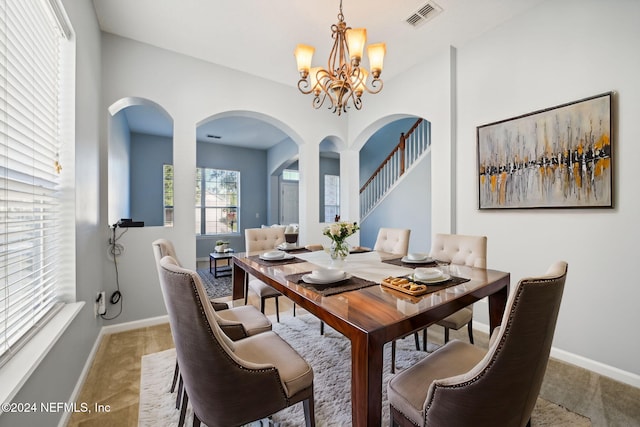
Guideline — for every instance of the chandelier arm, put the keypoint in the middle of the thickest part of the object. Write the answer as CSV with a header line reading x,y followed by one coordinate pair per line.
x,y
303,84
376,86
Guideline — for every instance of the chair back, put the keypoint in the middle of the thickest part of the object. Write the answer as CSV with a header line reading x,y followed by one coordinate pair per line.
x,y
163,248
262,239
222,388
503,387
460,249
393,240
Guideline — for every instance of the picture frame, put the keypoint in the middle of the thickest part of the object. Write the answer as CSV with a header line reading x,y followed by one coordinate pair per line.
x,y
559,157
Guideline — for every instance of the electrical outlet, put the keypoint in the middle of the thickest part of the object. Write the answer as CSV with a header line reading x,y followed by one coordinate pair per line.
x,y
100,307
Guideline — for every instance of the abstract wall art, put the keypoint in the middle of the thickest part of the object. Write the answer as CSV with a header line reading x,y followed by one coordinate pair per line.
x,y
559,157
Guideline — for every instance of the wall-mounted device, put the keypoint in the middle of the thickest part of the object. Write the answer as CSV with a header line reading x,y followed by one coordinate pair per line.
x,y
128,222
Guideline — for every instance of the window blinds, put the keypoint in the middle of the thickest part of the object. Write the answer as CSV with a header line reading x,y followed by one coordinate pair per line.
x,y
29,137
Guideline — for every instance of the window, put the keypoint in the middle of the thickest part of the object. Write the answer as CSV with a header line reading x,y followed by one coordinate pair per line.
x,y
30,169
167,194
291,175
331,197
217,195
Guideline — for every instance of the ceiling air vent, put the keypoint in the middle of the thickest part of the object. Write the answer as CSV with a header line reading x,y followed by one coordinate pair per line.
x,y
422,15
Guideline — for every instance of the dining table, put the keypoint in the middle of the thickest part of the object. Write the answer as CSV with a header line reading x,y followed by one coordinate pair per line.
x,y
368,313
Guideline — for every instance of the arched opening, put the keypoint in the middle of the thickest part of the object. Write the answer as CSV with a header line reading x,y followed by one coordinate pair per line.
x,y
244,163
140,163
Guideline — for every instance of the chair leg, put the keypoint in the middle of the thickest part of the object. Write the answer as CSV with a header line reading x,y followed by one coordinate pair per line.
x,y
176,372
183,409
470,330
417,338
277,310
262,299
321,327
196,421
446,335
179,394
309,412
393,356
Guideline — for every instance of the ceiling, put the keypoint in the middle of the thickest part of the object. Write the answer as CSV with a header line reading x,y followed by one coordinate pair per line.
x,y
258,36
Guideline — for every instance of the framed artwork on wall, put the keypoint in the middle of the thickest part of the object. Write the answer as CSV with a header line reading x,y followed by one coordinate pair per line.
x,y
559,157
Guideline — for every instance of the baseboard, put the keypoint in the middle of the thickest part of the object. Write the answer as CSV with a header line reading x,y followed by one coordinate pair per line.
x,y
106,330
583,362
136,324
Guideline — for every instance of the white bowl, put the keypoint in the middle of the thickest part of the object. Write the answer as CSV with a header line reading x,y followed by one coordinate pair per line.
x,y
327,274
417,256
427,273
273,255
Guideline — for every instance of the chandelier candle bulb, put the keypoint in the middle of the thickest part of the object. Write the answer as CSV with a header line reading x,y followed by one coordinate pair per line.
x,y
304,54
376,54
356,38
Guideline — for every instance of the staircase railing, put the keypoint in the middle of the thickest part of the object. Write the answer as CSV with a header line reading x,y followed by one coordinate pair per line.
x,y
412,144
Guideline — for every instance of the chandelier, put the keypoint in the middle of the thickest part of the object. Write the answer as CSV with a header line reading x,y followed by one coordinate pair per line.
x,y
343,81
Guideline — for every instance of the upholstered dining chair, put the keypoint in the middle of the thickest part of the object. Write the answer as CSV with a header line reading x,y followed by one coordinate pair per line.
x,y
262,239
230,382
458,249
460,384
393,240
236,322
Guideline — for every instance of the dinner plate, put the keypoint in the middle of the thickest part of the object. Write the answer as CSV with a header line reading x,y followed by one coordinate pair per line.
x,y
417,261
440,279
308,279
286,256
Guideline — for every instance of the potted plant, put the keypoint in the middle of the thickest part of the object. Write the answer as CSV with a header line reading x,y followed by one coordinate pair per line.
x,y
221,246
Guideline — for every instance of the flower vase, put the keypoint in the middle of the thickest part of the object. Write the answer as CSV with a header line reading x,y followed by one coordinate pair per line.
x,y
339,250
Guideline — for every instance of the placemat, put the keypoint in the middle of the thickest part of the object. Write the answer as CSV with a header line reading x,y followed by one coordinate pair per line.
x,y
398,261
261,261
353,283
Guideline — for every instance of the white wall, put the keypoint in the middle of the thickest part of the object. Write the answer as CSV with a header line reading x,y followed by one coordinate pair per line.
x,y
190,91
557,52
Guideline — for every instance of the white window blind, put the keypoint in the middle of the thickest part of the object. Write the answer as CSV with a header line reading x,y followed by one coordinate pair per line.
x,y
29,190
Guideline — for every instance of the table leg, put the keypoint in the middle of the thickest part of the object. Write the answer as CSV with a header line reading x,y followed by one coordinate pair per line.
x,y
238,282
497,304
210,260
366,381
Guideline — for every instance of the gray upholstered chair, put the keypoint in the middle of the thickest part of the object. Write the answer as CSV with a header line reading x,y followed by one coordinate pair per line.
x,y
262,239
462,250
236,322
230,382
393,240
460,384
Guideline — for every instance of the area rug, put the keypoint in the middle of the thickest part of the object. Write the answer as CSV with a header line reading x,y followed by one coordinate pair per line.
x,y
329,355
215,287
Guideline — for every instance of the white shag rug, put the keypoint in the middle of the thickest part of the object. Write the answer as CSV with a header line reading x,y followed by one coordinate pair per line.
x,y
330,357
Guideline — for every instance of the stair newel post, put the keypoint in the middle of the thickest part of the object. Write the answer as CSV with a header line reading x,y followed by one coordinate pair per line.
x,y
401,147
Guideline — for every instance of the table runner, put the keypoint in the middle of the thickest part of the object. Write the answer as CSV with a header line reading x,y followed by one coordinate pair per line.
x,y
284,261
353,283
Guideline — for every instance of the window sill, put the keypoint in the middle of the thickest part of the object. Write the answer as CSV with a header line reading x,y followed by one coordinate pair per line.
x,y
16,371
